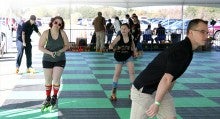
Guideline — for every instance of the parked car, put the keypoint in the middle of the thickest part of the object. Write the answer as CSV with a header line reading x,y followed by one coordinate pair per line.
x,y
179,26
214,31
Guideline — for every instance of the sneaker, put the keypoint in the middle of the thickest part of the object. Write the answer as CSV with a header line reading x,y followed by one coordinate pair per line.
x,y
17,70
30,70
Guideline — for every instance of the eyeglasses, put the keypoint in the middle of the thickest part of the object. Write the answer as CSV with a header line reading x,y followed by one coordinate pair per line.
x,y
202,31
59,24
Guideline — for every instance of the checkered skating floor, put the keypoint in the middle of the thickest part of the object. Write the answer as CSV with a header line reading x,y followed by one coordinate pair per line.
x,y
86,87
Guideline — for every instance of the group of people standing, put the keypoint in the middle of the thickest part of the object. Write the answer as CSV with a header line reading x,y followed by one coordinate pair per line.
x,y
109,28
150,90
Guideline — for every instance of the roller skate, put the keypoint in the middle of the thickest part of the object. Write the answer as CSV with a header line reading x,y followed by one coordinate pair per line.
x,y
31,70
113,96
53,103
46,104
17,70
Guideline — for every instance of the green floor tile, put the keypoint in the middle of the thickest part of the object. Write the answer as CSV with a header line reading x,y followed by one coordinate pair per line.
x,y
212,64
211,75
77,68
27,114
97,59
194,102
101,65
139,68
107,72
195,80
179,86
199,68
81,87
84,103
109,81
209,93
124,113
76,62
78,76
120,93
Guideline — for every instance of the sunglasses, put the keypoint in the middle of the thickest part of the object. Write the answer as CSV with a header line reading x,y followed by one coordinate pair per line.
x,y
59,24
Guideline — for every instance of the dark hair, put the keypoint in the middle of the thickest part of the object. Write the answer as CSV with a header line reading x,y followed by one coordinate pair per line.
x,y
135,16
33,17
53,19
193,23
99,13
117,18
126,24
149,26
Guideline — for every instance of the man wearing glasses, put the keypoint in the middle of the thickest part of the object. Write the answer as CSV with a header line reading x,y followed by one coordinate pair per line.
x,y
23,42
150,92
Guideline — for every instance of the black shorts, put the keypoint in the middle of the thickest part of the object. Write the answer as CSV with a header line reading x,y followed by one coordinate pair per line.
x,y
47,64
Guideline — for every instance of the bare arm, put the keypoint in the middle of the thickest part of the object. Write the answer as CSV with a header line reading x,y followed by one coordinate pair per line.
x,y
134,49
42,43
114,42
23,38
66,42
164,86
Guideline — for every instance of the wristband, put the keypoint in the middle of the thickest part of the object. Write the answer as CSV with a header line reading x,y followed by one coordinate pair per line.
x,y
157,103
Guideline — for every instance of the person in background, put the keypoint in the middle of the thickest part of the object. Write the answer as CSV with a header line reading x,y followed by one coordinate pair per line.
x,y
129,20
100,27
117,26
124,49
23,42
53,43
161,34
150,92
147,36
136,32
109,31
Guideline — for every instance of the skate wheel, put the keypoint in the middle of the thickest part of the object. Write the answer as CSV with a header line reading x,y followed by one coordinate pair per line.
x,y
42,109
113,98
52,108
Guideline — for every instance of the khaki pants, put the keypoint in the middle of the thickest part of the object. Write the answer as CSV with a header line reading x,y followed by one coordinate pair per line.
x,y
100,40
142,101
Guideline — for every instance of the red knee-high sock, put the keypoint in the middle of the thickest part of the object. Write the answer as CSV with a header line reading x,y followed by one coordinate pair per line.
x,y
55,89
48,90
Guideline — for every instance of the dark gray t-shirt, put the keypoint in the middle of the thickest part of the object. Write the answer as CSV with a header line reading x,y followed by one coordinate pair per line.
x,y
54,45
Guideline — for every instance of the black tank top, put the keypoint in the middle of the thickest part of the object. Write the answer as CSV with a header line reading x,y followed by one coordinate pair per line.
x,y
54,45
123,50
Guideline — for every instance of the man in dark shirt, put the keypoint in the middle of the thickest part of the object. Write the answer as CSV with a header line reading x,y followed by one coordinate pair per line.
x,y
161,34
130,21
23,42
150,91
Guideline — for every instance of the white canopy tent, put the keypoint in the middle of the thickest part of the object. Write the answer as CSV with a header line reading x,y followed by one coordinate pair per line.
x,y
115,3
